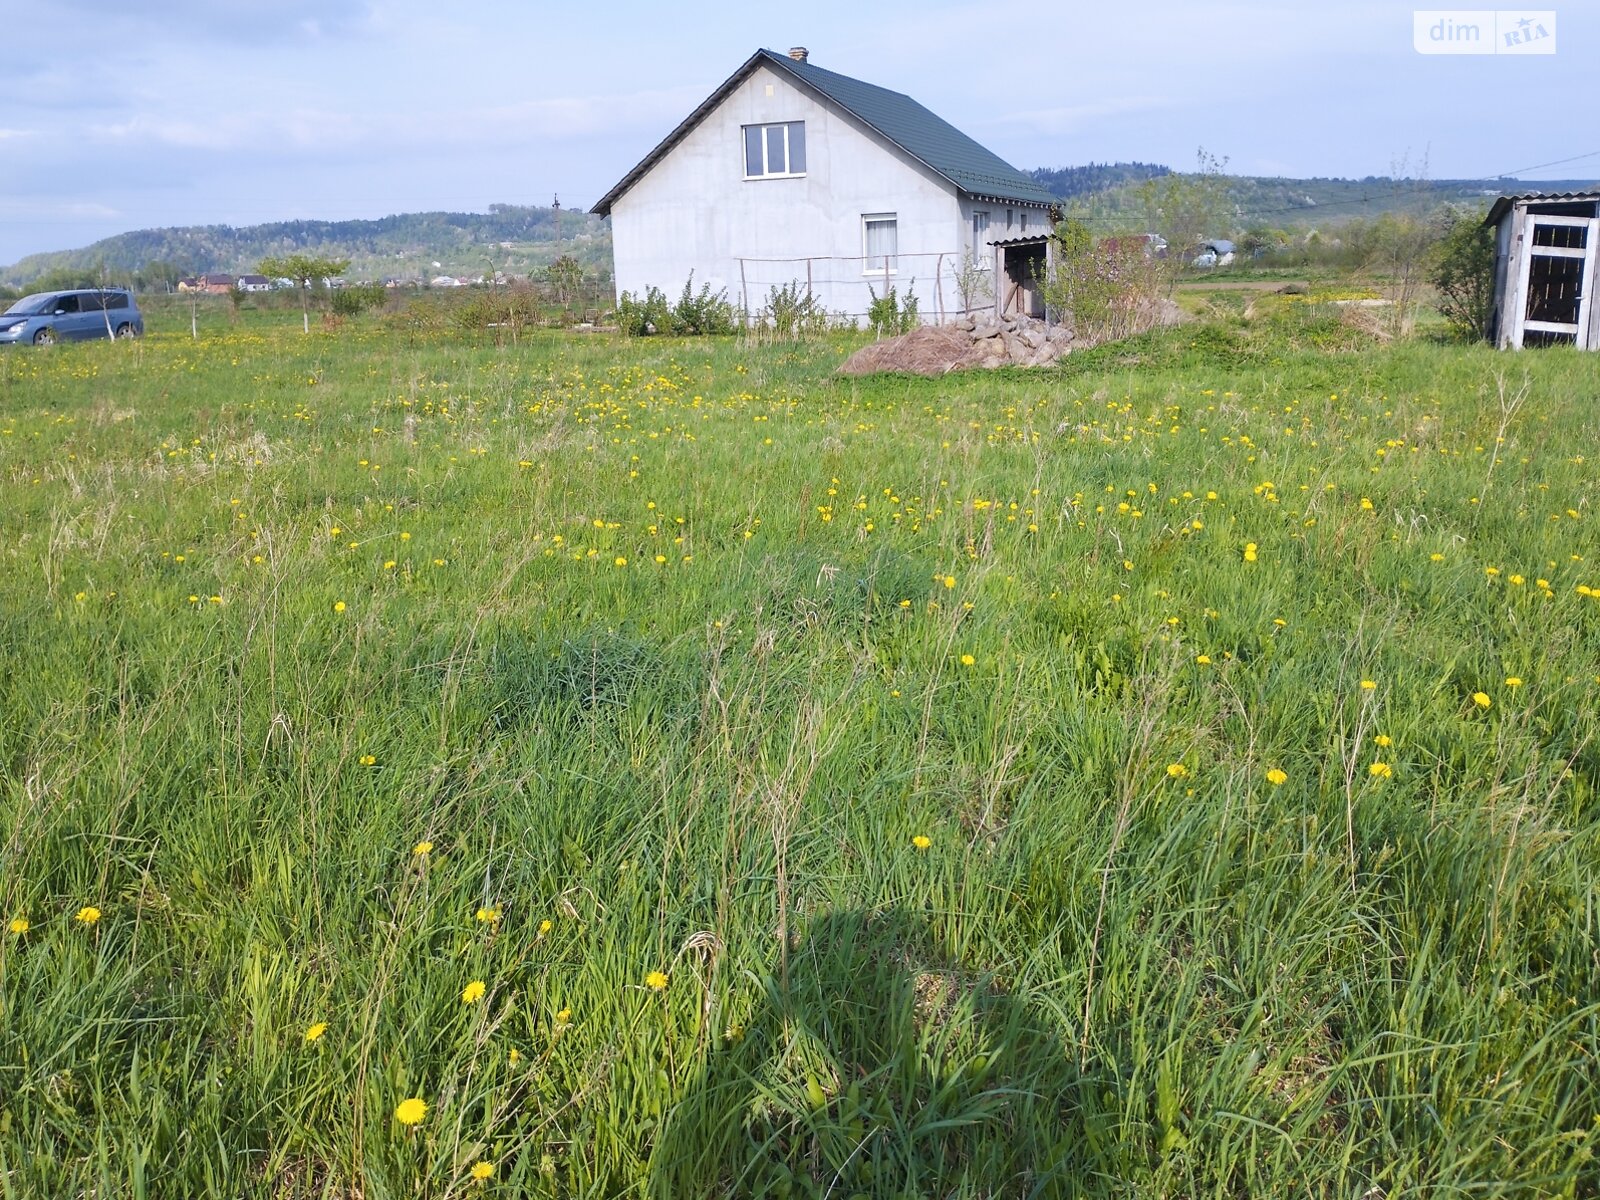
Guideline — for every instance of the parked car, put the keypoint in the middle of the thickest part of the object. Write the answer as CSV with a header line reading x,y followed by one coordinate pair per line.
x,y
78,315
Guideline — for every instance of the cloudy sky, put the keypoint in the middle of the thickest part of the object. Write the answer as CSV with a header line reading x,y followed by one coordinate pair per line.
x,y
168,112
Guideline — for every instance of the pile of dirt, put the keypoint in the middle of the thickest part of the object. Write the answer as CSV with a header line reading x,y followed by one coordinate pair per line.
x,y
970,342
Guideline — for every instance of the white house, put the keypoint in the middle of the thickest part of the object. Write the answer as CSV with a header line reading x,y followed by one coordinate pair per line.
x,y
791,174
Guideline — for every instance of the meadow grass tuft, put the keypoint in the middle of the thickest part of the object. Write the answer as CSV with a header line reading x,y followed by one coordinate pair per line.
x,y
884,787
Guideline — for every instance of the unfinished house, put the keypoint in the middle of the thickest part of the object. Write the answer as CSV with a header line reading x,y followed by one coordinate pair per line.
x,y
1547,270
793,176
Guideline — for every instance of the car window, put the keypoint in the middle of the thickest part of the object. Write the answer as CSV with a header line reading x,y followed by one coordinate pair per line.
x,y
65,304
116,299
29,306
89,302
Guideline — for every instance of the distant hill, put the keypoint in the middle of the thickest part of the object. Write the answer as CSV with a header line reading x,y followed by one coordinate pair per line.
x,y
511,238
1069,182
1303,203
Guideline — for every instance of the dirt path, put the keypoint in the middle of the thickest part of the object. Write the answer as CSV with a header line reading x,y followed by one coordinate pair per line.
x,y
1252,285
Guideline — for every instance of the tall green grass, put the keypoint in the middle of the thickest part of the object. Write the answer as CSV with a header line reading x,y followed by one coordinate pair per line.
x,y
670,651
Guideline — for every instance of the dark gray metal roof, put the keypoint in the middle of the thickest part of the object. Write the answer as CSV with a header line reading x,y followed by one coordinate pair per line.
x,y
895,117
1505,203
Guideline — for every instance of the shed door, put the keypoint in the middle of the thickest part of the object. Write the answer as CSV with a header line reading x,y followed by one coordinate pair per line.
x,y
1557,281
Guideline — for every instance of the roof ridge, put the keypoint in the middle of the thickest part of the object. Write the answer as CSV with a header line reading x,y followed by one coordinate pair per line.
x,y
896,117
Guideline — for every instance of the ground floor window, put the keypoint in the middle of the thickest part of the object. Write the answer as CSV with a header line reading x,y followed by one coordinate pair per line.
x,y
880,243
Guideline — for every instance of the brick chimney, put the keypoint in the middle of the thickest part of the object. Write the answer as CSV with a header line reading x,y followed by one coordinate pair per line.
x,y
799,53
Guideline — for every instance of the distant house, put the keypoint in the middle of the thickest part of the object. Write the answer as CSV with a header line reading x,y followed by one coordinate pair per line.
x,y
1547,269
216,284
189,284
1218,252
792,175
254,283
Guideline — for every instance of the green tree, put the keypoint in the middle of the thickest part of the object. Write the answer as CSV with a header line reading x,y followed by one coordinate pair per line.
x,y
564,276
156,275
1463,275
308,273
1187,209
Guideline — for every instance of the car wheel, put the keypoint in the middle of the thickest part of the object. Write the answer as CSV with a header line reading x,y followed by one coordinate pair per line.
x,y
126,330
45,337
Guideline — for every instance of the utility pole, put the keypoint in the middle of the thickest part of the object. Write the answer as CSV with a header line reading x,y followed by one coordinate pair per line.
x,y
555,206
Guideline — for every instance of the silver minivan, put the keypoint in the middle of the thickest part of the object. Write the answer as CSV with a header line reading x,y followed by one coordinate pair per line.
x,y
77,315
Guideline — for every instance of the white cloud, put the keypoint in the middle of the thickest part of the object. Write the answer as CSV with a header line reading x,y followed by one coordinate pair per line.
x,y
329,131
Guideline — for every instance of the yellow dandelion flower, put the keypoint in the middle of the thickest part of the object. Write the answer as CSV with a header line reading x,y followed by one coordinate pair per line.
x,y
489,915
481,1171
1368,685
1383,739
545,927
1513,681
564,1017
316,1031
656,981
473,992
1250,552
1380,770
422,849
1203,659
922,841
88,914
949,581
1176,770
1277,778
338,606
967,660
19,925
368,760
514,1057
412,1111
1481,699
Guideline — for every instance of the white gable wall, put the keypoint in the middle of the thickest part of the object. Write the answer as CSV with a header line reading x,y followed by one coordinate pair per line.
x,y
694,210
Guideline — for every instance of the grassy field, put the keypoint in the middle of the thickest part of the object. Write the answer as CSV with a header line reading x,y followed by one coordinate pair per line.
x,y
687,773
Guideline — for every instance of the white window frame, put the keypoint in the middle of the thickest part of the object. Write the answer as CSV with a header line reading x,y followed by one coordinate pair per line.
x,y
788,152
868,259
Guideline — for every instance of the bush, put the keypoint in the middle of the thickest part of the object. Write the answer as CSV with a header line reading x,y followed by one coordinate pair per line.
x,y
638,317
1463,275
793,313
702,313
352,301
694,314
1109,287
889,315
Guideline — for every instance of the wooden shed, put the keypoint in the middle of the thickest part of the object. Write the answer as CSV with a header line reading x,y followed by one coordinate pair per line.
x,y
1546,270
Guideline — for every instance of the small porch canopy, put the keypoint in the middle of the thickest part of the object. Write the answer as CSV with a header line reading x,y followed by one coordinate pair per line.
x,y
1020,265
1546,270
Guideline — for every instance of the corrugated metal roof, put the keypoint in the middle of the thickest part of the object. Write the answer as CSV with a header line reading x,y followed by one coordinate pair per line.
x,y
1024,239
896,117
1504,204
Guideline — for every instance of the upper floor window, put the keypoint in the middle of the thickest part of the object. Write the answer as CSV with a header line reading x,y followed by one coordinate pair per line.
x,y
775,150
980,235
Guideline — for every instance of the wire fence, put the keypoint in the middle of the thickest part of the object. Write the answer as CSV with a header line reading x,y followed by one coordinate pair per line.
x,y
947,284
